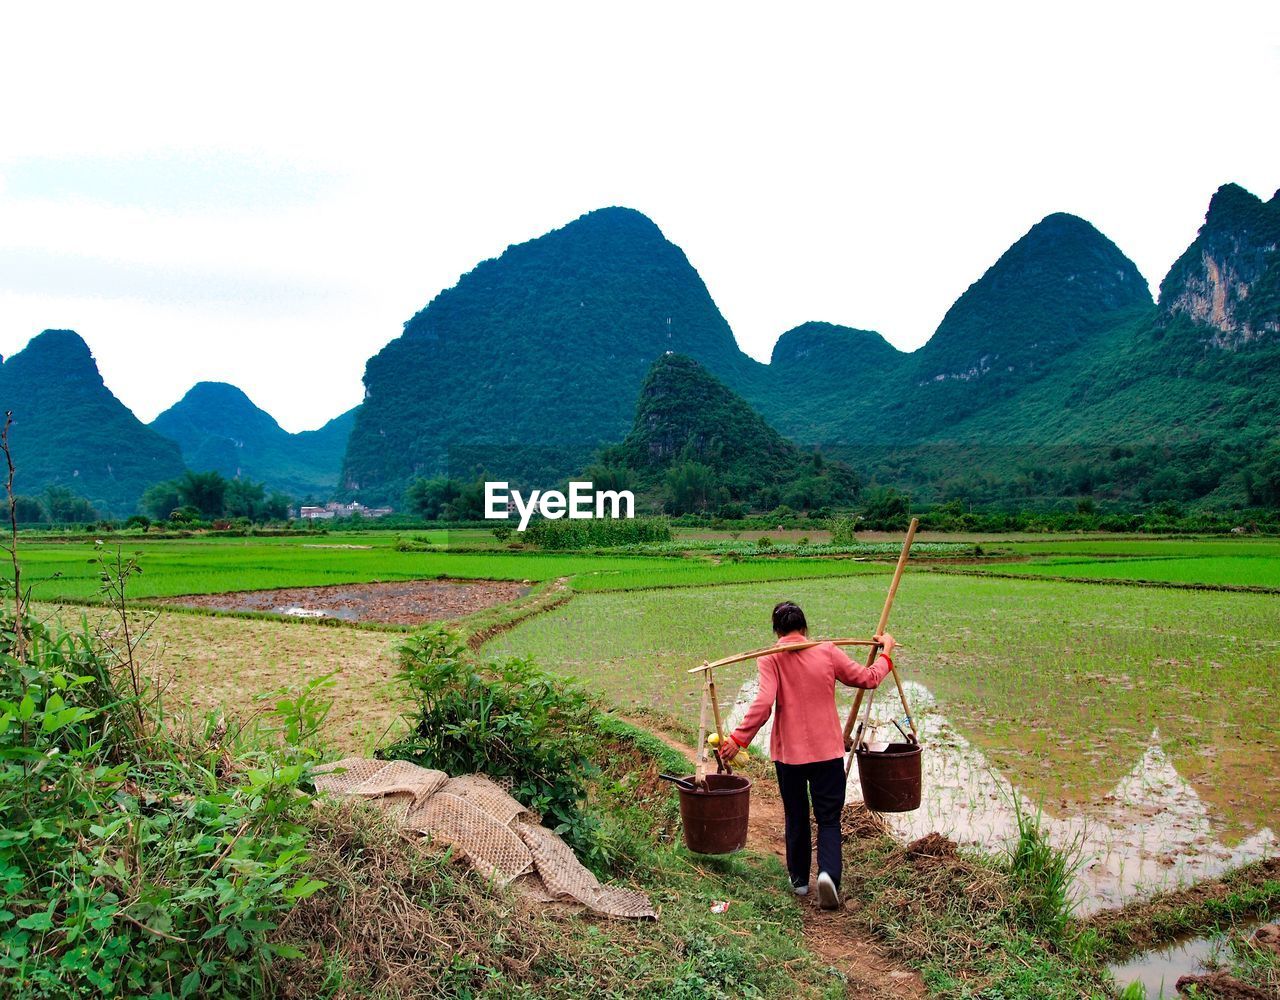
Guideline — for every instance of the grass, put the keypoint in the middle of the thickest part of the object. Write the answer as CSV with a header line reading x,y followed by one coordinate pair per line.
x,y
207,664
1059,684
408,922
412,923
704,573
971,925
1210,562
67,570
162,869
173,567
998,653
1176,547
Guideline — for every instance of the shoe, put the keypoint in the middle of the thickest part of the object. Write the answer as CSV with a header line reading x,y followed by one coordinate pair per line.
x,y
828,894
801,889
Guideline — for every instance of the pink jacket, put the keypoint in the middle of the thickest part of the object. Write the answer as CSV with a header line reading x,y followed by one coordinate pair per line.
x,y
803,685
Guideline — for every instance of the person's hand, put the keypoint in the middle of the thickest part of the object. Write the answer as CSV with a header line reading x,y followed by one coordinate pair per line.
x,y
887,642
728,749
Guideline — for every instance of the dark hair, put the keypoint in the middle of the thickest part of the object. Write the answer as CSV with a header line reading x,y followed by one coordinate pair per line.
x,y
788,618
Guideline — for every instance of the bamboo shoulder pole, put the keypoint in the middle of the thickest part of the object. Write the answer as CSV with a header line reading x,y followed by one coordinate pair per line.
x,y
884,623
785,647
897,575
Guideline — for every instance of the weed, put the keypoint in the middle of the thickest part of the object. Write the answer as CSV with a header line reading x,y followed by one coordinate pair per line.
x,y
1044,876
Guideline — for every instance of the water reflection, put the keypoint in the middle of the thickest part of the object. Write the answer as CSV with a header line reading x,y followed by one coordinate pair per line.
x,y
1159,970
1151,833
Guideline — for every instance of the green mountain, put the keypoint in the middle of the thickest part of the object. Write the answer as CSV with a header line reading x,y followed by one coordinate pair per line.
x,y
1229,278
1178,403
533,360
697,444
536,358
1058,289
70,431
219,428
838,352
1053,376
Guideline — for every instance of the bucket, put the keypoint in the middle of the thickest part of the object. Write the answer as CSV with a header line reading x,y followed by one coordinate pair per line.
x,y
890,777
715,820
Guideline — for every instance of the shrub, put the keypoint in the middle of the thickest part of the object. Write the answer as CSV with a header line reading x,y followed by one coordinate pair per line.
x,y
843,529
136,857
505,720
597,533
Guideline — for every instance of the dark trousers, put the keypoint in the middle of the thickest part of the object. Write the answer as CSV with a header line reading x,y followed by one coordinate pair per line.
x,y
823,782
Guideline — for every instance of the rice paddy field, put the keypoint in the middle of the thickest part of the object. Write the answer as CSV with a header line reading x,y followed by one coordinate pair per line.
x,y
1219,562
70,571
1141,720
1060,685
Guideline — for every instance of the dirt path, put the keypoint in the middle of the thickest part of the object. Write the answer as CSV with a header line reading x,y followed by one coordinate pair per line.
x,y
834,936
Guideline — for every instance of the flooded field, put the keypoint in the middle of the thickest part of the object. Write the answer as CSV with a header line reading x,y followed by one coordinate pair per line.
x,y
1139,721
1149,833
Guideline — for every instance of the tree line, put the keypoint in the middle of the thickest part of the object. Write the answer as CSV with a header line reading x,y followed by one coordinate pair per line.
x,y
211,496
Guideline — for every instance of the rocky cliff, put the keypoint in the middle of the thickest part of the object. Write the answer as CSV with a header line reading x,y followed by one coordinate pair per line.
x,y
1228,280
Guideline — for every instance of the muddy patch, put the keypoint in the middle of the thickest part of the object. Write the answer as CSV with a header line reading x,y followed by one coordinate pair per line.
x,y
409,602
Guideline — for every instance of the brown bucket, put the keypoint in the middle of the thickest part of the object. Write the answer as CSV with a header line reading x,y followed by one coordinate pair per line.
x,y
890,777
715,820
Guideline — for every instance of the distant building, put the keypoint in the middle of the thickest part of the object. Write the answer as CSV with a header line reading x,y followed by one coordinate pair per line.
x,y
332,510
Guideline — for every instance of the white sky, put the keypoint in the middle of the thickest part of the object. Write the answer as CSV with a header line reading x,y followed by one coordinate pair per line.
x,y
263,193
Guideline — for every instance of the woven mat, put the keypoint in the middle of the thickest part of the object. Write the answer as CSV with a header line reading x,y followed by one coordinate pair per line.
x,y
497,836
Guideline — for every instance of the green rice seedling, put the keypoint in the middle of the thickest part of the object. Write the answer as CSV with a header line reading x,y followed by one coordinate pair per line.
x,y
1236,570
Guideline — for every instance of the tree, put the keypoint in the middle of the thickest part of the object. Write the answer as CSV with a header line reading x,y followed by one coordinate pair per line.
x,y
160,500
428,497
277,506
61,505
29,510
690,487
244,498
205,491
468,505
886,509
609,477
1262,478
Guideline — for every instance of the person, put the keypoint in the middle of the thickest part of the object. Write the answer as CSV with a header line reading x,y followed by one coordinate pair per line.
x,y
807,745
